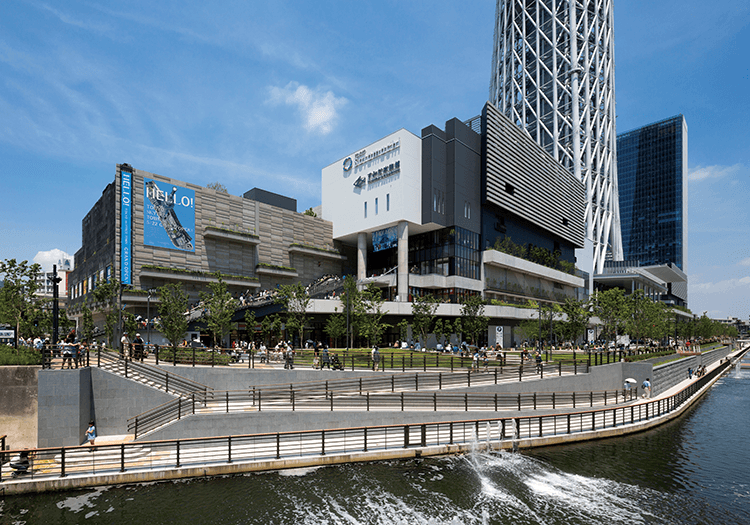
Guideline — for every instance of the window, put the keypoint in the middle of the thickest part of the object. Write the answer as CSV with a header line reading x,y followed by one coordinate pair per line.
x,y
376,205
365,209
387,202
509,188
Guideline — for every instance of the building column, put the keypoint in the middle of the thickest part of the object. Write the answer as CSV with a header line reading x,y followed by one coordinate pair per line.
x,y
361,255
403,261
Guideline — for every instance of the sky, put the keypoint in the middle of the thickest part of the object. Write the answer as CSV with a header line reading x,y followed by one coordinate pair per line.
x,y
265,94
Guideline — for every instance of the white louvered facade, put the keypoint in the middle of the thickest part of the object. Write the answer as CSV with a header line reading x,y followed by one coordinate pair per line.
x,y
561,91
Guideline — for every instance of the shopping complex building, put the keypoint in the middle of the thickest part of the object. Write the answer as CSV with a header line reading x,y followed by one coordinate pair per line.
x,y
413,215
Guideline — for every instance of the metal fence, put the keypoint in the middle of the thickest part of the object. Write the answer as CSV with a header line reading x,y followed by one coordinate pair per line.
x,y
336,392
134,457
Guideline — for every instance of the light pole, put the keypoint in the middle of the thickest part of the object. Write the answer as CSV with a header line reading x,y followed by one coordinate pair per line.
x,y
148,316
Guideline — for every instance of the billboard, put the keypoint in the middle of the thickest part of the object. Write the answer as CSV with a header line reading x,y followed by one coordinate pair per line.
x,y
168,216
384,239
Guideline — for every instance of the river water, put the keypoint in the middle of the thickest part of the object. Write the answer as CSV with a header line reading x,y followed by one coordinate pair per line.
x,y
692,471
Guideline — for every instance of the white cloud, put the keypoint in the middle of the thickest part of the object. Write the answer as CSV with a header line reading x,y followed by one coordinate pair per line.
x,y
319,109
745,262
713,172
50,257
720,287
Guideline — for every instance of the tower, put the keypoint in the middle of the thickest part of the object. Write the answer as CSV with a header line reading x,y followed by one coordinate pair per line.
x,y
561,91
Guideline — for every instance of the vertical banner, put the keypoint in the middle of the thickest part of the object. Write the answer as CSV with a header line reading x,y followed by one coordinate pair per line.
x,y
591,335
126,226
499,332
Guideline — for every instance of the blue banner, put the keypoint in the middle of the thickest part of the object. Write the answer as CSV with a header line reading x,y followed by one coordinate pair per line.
x,y
126,201
384,239
168,216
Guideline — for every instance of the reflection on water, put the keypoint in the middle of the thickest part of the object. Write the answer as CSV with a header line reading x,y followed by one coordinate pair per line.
x,y
689,471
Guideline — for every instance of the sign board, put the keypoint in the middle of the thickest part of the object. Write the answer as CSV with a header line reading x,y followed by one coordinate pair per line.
x,y
591,335
7,334
384,239
169,216
499,332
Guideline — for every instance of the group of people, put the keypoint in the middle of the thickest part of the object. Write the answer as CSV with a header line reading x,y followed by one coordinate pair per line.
x,y
135,349
322,358
698,372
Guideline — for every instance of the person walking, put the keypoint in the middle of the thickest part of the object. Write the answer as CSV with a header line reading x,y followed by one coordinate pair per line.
x,y
646,388
375,358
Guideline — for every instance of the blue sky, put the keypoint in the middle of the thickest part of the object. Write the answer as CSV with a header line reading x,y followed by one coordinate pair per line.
x,y
268,93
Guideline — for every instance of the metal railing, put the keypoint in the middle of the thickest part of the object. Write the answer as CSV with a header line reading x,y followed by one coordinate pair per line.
x,y
322,392
293,400
49,463
143,372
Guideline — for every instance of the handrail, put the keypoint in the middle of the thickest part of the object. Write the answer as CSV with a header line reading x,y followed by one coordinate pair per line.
x,y
173,411
260,400
168,381
49,463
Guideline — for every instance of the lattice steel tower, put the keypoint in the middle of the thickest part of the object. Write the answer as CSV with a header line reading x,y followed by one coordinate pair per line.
x,y
561,90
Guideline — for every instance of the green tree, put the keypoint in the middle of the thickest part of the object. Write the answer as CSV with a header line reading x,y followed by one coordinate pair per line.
x,y
173,303
106,294
423,315
577,315
351,300
372,318
220,307
613,310
310,212
266,328
295,301
130,324
87,323
442,330
250,323
473,319
458,329
17,296
336,327
403,329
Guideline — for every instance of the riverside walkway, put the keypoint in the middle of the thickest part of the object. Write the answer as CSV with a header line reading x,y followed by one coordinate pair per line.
x,y
127,462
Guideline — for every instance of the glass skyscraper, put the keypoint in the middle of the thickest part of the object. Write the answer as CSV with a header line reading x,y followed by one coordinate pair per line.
x,y
652,179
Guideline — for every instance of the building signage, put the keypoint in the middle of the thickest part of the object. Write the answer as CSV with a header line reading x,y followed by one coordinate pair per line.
x,y
7,334
499,334
384,239
169,216
126,226
380,173
363,156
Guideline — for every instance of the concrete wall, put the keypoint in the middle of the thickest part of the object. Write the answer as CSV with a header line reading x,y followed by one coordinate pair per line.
x,y
116,399
669,374
64,407
602,377
18,409
69,399
265,422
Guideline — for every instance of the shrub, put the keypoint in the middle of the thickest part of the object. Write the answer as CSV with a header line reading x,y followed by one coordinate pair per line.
x,y
22,356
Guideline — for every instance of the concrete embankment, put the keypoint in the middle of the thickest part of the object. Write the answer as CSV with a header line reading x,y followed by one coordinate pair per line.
x,y
18,408
226,468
